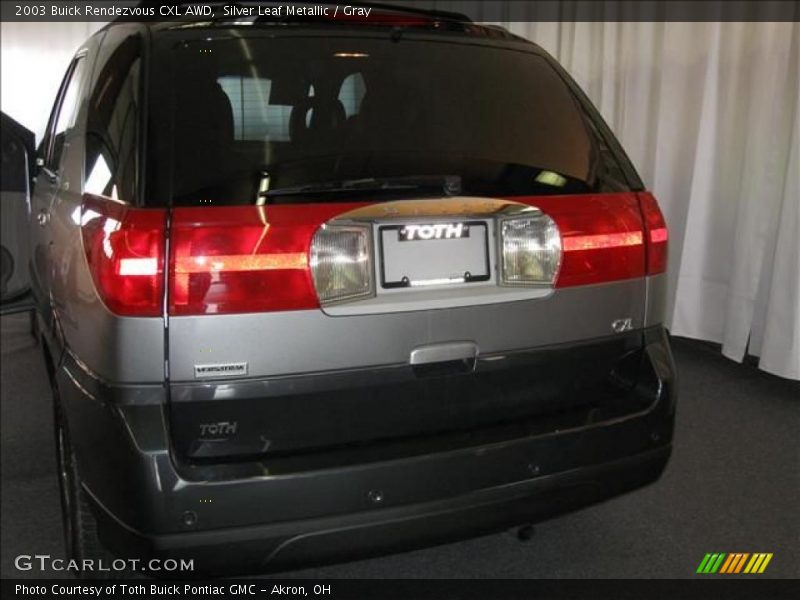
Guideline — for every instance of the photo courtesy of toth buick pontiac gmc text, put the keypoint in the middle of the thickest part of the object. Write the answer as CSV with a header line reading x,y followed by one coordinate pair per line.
x,y
309,289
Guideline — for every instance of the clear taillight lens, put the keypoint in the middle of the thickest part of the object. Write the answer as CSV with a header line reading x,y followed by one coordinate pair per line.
x,y
341,263
531,250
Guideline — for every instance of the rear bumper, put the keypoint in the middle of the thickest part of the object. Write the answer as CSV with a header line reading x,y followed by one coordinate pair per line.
x,y
253,517
266,547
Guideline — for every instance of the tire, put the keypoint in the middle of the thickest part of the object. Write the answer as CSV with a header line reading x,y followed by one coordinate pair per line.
x,y
34,325
81,539
6,270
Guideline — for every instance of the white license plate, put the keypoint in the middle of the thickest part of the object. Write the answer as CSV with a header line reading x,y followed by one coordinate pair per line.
x,y
437,253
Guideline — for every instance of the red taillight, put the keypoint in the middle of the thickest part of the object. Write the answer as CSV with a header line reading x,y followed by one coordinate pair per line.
x,y
601,236
125,253
656,234
243,258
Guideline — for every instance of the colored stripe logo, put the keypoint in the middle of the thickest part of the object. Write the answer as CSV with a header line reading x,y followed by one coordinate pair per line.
x,y
734,563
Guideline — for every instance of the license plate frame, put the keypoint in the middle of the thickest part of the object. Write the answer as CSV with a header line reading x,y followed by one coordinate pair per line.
x,y
474,227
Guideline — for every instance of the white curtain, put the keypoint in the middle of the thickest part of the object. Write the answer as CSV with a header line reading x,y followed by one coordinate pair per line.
x,y
710,114
33,61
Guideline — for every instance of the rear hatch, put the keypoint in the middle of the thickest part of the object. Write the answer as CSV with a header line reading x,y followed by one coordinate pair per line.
x,y
377,237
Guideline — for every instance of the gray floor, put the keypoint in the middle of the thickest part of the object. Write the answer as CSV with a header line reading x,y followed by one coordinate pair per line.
x,y
733,485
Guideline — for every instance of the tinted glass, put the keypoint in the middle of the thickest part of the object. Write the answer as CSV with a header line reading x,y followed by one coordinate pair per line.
x,y
256,114
64,118
112,124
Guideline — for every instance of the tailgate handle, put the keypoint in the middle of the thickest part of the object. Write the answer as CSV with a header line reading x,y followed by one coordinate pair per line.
x,y
444,359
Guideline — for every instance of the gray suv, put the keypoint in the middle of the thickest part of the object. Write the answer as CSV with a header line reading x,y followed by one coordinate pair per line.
x,y
309,289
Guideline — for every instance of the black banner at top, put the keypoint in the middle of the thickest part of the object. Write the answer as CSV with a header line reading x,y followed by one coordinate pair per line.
x,y
503,11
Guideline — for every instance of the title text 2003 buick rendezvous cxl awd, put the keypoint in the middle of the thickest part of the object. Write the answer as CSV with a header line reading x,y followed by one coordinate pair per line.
x,y
310,289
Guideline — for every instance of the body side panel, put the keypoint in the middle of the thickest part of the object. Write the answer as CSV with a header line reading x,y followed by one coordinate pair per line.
x,y
656,310
113,348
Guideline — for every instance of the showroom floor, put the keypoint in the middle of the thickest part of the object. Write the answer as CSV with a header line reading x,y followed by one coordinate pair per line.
x,y
733,485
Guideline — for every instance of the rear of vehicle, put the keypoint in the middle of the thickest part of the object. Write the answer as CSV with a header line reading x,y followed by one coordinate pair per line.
x,y
406,287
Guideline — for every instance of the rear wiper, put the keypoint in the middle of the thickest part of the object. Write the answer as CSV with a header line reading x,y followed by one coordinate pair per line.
x,y
449,185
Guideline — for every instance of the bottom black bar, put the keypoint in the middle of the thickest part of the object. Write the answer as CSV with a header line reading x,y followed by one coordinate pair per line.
x,y
687,589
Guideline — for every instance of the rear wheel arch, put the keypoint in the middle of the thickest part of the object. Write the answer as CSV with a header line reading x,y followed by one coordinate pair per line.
x,y
81,536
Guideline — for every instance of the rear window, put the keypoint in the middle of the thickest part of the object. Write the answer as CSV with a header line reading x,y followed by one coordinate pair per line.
x,y
248,115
